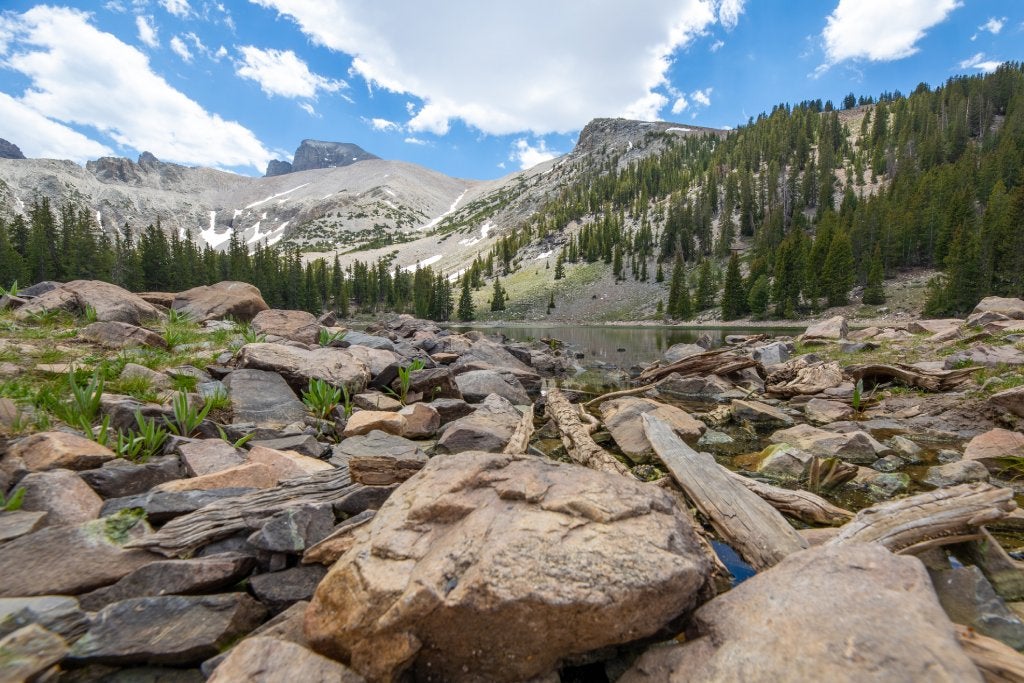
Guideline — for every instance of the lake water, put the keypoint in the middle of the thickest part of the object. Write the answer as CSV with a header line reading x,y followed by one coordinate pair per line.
x,y
625,346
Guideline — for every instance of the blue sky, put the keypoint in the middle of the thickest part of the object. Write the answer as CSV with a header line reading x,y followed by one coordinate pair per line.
x,y
472,89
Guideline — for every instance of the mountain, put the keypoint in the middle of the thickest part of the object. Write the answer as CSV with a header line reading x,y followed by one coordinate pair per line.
x,y
315,154
9,150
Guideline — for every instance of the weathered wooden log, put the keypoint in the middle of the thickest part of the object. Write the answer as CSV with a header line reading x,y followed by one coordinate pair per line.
x,y
758,532
578,443
796,503
184,535
716,362
941,517
520,440
997,661
908,375
617,394
797,377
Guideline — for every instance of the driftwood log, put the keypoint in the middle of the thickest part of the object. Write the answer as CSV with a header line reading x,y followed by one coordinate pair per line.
x,y
997,661
758,532
797,377
576,438
184,535
716,362
927,520
617,394
796,503
908,375
520,440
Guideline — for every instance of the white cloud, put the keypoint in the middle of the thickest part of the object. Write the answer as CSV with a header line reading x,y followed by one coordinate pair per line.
x,y
702,97
993,25
729,12
147,32
308,108
383,124
179,8
39,137
281,72
716,46
979,62
221,52
415,141
559,78
528,156
880,30
83,76
179,48
680,104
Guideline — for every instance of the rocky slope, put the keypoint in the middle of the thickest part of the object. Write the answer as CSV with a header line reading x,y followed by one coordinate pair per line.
x,y
315,154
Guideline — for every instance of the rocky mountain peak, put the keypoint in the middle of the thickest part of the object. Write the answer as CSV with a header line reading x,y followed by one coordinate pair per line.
x,y
9,150
313,154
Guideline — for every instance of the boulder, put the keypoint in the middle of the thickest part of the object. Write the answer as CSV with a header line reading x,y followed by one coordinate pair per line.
x,y
379,445
63,495
969,599
375,400
383,468
58,450
170,629
855,447
434,383
260,659
118,478
248,475
110,303
708,389
174,577
206,456
421,420
297,326
677,352
1011,308
366,421
237,300
759,415
29,653
783,461
451,409
932,327
477,385
278,591
474,567
833,328
993,446
774,353
376,360
370,341
303,444
156,380
488,428
162,299
841,613
880,485
298,366
294,529
623,418
17,523
485,350
69,560
985,355
61,614
822,411
985,318
117,335
1010,400
264,398
287,464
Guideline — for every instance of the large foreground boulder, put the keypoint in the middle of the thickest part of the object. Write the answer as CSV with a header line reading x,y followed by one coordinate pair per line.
x,y
238,300
833,328
498,567
830,613
300,326
109,302
298,366
1010,307
623,417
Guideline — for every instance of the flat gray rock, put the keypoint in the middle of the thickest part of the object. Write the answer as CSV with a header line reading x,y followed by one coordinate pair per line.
x,y
264,398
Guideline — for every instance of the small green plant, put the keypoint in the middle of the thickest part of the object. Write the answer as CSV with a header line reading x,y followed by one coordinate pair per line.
x,y
178,317
83,408
150,434
218,400
14,502
326,337
238,443
250,335
10,291
184,382
858,393
322,398
405,379
187,417
89,313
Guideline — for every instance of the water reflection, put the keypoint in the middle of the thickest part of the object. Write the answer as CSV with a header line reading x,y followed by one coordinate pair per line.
x,y
624,346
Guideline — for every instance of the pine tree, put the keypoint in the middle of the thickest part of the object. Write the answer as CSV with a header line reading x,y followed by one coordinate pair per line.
x,y
758,298
551,302
465,311
676,287
733,296
659,275
874,293
838,273
560,265
705,286
498,296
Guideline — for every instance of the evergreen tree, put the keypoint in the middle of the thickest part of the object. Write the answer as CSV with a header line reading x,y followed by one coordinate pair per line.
x,y
465,310
705,286
498,296
839,271
659,275
733,296
676,287
874,293
551,301
560,265
758,298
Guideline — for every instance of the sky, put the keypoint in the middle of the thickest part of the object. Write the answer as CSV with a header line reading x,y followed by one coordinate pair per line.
x,y
472,89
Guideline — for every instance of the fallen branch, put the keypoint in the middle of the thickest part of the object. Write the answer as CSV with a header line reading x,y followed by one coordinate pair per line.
x,y
184,535
520,440
940,517
718,362
796,503
754,528
997,661
617,394
578,443
908,375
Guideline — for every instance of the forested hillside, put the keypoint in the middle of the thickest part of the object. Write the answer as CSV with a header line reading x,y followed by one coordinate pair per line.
x,y
780,218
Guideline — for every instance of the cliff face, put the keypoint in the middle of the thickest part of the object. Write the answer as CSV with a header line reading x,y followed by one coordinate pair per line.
x,y
316,154
9,150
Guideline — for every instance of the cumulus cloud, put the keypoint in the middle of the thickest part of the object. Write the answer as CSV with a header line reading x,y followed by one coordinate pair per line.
x,y
415,141
563,73
880,30
716,46
702,97
39,137
528,156
729,12
680,104
281,72
179,48
383,124
83,76
979,62
993,25
179,8
147,32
